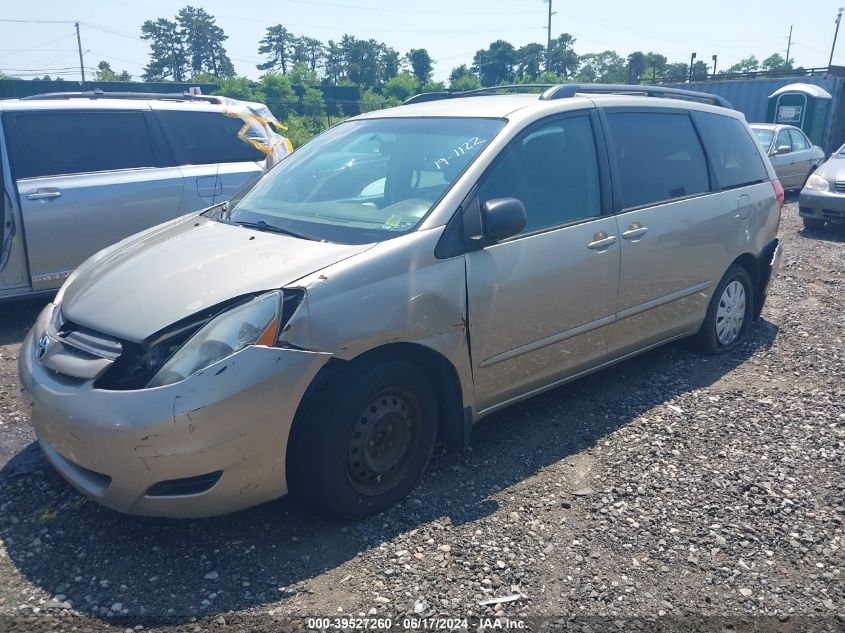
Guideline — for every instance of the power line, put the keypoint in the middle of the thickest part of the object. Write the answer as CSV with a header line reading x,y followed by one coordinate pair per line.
x,y
37,21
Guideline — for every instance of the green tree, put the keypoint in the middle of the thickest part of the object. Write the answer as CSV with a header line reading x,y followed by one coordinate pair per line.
x,y
700,70
401,87
529,61
563,60
168,58
276,91
334,64
421,64
277,45
776,62
104,72
495,64
749,64
312,51
655,66
678,71
237,88
462,78
371,100
606,67
636,67
388,63
433,86
204,43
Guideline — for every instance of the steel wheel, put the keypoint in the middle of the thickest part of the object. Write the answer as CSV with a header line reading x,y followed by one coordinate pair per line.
x,y
380,440
730,315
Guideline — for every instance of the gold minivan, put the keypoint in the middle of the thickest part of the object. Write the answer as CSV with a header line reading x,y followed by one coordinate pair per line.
x,y
401,276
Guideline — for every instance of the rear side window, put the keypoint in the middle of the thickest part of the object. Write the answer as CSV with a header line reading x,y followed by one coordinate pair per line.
x,y
799,141
67,142
658,155
202,138
734,154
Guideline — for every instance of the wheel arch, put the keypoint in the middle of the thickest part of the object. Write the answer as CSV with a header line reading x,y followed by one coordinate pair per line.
x,y
757,268
454,421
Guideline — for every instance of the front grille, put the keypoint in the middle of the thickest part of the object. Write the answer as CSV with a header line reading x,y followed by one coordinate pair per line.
x,y
839,185
833,215
185,486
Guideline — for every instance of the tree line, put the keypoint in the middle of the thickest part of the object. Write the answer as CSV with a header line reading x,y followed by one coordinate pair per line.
x,y
190,47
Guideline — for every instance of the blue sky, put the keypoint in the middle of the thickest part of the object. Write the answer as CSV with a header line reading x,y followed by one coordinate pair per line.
x,y
451,30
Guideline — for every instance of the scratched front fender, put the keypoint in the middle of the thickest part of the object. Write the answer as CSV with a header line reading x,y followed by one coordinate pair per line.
x,y
233,417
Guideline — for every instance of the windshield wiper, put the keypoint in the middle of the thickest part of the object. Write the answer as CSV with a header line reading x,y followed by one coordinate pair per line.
x,y
262,225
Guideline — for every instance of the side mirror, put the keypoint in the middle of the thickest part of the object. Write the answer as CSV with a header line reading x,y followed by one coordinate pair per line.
x,y
783,149
502,218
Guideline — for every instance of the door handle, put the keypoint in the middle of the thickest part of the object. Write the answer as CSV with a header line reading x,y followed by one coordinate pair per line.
x,y
601,241
43,194
635,231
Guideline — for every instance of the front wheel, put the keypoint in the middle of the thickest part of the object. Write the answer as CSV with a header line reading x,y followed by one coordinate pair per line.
x,y
366,444
729,313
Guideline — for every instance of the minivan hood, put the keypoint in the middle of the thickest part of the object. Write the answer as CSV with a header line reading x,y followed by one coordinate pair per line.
x,y
157,277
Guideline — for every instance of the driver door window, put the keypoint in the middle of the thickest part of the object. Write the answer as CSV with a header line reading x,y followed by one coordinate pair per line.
x,y
553,170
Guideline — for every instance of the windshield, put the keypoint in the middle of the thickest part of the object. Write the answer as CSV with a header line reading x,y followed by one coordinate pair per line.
x,y
764,136
365,181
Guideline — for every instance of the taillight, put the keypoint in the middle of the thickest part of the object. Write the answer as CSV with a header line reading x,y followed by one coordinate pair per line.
x,y
778,191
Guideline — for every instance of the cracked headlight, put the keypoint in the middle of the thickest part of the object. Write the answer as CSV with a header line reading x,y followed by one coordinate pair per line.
x,y
255,322
817,183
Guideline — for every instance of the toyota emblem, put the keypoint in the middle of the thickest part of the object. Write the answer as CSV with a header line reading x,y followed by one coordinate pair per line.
x,y
41,346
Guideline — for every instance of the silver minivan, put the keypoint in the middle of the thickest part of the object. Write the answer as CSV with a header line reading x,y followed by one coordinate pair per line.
x,y
81,171
401,276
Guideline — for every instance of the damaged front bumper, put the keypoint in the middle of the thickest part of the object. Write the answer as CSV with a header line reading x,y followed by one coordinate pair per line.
x,y
210,444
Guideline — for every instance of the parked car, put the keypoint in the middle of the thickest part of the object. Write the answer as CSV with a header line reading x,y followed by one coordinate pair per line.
x,y
82,171
823,197
792,154
320,332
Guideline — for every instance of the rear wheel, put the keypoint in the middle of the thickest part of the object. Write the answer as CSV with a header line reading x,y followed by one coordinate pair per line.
x,y
729,313
813,223
366,444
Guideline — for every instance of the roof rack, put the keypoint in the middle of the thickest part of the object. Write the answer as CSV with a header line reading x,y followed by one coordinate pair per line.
x,y
100,94
565,91
476,92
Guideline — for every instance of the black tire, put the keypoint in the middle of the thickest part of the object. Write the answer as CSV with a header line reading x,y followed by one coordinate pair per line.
x,y
381,410
707,337
813,224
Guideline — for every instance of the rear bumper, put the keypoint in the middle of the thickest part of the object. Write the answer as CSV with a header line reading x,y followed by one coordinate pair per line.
x,y
827,205
225,427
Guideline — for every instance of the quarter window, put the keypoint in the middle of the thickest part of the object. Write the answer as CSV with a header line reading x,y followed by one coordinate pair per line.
x,y
68,142
553,170
799,141
658,155
783,141
204,138
734,154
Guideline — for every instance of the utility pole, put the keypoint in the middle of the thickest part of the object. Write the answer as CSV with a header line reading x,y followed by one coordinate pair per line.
x,y
788,45
835,34
79,46
691,62
549,37
715,59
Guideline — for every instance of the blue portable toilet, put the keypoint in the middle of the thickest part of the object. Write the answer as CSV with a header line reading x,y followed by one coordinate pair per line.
x,y
805,106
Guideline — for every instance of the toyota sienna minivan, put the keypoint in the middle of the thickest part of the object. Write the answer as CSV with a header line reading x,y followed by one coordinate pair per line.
x,y
404,274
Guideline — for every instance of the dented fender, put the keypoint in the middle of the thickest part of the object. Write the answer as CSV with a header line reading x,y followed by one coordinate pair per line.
x,y
396,292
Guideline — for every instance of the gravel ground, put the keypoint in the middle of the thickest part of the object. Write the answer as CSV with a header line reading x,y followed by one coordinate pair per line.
x,y
672,492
